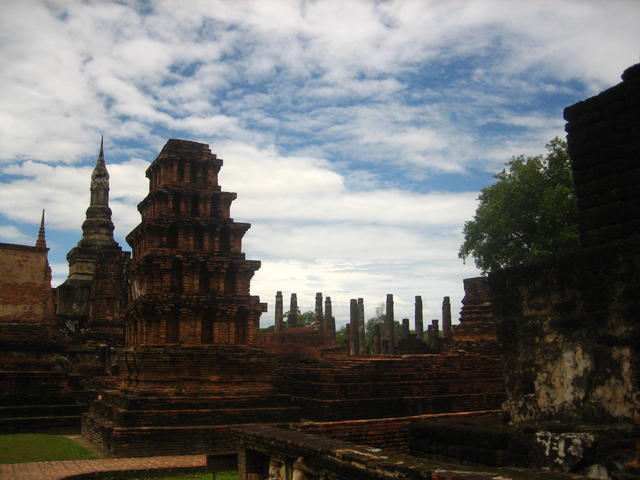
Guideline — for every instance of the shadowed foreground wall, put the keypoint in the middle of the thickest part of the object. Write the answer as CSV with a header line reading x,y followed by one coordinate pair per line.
x,y
568,327
570,336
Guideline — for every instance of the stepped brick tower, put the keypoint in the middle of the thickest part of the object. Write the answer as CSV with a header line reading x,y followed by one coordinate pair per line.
x,y
476,332
190,280
190,369
89,301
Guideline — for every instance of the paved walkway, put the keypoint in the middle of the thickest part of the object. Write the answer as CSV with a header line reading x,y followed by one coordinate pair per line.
x,y
81,468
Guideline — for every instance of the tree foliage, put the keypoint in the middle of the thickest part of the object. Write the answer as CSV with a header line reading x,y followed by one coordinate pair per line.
x,y
306,319
530,212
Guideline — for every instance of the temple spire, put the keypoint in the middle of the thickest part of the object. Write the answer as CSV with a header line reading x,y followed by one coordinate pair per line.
x,y
101,154
97,229
100,179
41,242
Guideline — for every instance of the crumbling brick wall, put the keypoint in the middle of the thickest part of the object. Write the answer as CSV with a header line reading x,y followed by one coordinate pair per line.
x,y
603,133
25,286
568,327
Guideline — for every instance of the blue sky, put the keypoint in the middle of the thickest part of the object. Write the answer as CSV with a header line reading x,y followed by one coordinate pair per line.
x,y
357,134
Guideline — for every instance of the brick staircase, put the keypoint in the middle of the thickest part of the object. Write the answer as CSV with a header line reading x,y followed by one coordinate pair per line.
x,y
142,425
41,418
175,400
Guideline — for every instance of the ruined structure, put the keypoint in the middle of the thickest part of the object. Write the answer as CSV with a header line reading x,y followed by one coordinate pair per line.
x,y
568,327
329,319
446,318
419,324
292,320
340,388
389,340
189,369
354,337
278,324
278,454
318,316
192,367
189,280
91,298
476,332
36,390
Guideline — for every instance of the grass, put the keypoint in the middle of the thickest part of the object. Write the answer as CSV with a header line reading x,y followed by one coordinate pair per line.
x,y
35,447
179,476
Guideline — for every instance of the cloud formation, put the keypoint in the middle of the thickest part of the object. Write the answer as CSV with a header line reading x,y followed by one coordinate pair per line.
x,y
357,134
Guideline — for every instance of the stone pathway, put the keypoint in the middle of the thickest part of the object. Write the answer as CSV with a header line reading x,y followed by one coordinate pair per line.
x,y
70,469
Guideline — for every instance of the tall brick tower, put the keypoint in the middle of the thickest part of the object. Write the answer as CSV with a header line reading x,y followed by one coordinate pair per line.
x,y
190,369
190,280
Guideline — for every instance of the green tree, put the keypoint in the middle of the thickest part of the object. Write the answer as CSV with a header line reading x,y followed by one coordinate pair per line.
x,y
379,319
341,336
370,325
530,212
306,319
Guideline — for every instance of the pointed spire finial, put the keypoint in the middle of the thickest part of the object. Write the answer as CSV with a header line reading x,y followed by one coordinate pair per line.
x,y
101,154
41,242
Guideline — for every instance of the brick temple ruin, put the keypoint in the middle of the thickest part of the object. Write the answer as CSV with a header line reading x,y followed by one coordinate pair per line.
x,y
193,368
167,341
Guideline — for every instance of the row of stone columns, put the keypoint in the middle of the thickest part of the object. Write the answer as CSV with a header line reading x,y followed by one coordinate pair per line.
x,y
324,321
384,336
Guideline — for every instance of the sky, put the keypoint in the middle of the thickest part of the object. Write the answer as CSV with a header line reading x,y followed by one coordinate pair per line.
x,y
357,134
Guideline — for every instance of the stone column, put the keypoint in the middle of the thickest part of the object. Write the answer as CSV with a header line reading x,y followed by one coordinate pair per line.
x,y
377,339
446,318
353,323
329,321
362,347
419,326
430,336
278,312
348,334
389,324
319,321
293,312
435,341
405,328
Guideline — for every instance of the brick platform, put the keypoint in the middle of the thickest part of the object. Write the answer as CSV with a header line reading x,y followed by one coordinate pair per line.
x,y
379,387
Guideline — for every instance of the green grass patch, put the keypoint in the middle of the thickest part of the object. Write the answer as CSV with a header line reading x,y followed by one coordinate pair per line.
x,y
34,447
179,476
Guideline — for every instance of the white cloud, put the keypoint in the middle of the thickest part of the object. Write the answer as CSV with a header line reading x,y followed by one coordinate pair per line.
x,y
331,116
10,234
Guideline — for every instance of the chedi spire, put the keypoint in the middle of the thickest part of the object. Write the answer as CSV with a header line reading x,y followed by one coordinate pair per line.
x,y
97,228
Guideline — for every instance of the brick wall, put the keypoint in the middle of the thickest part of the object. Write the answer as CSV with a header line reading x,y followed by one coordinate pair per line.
x,y
476,332
267,452
568,327
603,133
388,433
377,387
25,285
